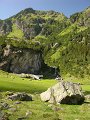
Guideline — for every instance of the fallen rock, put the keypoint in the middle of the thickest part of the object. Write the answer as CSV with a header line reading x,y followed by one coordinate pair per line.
x,y
28,113
87,97
21,97
21,118
56,108
8,93
36,77
50,105
13,109
17,102
4,106
64,93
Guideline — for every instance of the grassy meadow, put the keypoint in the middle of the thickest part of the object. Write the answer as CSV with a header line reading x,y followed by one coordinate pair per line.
x,y
36,109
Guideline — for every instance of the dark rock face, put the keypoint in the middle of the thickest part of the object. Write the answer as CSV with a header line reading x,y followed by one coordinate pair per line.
x,y
83,18
5,27
0,52
27,61
20,97
64,93
21,60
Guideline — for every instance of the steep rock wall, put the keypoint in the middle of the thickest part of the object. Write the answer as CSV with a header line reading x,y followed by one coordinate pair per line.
x,y
18,60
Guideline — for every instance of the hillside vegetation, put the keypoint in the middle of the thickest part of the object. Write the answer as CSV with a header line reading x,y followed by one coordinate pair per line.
x,y
63,42
38,42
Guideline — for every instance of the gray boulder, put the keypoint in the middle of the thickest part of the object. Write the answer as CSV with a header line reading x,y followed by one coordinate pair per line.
x,y
4,106
21,97
64,93
87,97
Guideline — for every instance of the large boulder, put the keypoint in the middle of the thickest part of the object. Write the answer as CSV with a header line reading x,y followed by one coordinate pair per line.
x,y
64,93
21,97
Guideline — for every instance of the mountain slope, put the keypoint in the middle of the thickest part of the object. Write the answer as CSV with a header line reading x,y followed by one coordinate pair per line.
x,y
63,42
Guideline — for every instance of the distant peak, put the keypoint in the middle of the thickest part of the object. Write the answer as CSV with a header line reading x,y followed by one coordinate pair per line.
x,y
88,8
26,11
29,9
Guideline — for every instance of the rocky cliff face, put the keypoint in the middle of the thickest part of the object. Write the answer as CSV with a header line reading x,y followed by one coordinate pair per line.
x,y
5,27
21,60
83,18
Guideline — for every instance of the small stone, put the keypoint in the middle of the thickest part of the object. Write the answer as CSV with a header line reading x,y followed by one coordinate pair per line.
x,y
5,106
28,113
11,106
20,97
87,97
21,118
17,102
8,93
50,105
13,109
56,108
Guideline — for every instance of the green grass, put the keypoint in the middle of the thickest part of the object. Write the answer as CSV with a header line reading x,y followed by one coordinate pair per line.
x,y
16,32
40,110
15,83
26,85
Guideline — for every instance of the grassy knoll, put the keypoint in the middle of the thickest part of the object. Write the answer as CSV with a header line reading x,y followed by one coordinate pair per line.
x,y
37,109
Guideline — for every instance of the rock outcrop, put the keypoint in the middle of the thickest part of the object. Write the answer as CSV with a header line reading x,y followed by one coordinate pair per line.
x,y
87,97
64,93
21,97
18,60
